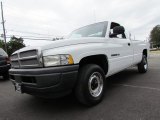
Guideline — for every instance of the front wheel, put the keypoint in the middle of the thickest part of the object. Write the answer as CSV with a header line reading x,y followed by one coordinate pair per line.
x,y
90,86
143,65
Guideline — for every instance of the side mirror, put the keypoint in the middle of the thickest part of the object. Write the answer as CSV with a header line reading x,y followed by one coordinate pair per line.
x,y
117,30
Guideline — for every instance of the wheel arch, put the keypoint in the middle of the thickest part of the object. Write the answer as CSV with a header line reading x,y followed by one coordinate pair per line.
x,y
145,52
99,59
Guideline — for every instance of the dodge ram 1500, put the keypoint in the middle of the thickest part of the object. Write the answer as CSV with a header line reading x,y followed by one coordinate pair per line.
x,y
79,63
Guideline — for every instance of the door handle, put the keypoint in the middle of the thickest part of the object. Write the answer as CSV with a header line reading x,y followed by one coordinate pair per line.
x,y
129,44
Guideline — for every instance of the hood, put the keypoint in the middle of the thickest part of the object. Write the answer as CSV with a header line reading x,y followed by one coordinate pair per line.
x,y
69,42
64,42
27,48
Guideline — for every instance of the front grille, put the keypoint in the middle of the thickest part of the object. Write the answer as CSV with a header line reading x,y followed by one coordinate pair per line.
x,y
15,64
32,61
26,59
15,56
28,53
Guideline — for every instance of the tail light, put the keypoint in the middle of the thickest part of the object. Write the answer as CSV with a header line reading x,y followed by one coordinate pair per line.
x,y
8,60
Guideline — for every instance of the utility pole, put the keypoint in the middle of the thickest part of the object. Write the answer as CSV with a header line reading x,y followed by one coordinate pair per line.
x,y
4,32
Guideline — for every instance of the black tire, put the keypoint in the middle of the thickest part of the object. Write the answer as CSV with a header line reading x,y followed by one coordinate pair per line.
x,y
6,76
90,77
143,65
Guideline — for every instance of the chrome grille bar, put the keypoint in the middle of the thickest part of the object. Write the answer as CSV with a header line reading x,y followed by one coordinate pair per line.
x,y
26,59
28,53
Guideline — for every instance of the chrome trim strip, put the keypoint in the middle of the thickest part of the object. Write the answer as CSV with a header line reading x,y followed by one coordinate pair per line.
x,y
27,58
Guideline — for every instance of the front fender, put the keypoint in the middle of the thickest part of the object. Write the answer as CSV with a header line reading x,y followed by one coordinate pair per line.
x,y
78,51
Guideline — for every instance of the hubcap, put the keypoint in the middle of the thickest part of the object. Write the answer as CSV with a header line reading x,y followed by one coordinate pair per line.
x,y
95,84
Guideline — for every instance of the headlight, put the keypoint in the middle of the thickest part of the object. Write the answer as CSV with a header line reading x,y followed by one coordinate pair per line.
x,y
57,60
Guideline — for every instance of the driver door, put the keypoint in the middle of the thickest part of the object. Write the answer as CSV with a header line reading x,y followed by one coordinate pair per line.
x,y
120,53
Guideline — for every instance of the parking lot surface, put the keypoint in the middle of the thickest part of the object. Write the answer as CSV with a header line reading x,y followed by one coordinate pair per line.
x,y
128,96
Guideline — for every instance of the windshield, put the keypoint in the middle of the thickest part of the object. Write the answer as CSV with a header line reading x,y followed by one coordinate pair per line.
x,y
2,52
93,30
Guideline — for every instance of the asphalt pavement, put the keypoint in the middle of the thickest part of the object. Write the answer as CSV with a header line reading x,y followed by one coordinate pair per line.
x,y
128,96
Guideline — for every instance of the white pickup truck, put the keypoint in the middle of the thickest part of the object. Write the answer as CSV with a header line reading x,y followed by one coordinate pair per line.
x,y
79,63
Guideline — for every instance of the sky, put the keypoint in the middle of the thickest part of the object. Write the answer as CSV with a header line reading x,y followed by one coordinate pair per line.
x,y
38,21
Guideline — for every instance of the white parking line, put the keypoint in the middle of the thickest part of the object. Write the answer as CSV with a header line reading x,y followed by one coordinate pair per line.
x,y
141,87
154,55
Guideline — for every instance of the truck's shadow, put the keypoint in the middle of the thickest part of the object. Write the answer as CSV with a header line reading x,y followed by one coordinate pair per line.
x,y
122,77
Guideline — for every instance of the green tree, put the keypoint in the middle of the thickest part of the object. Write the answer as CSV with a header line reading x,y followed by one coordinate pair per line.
x,y
155,36
1,44
14,44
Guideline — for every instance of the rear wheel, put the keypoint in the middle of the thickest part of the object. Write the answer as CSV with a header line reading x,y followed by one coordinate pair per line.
x,y
143,65
90,86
